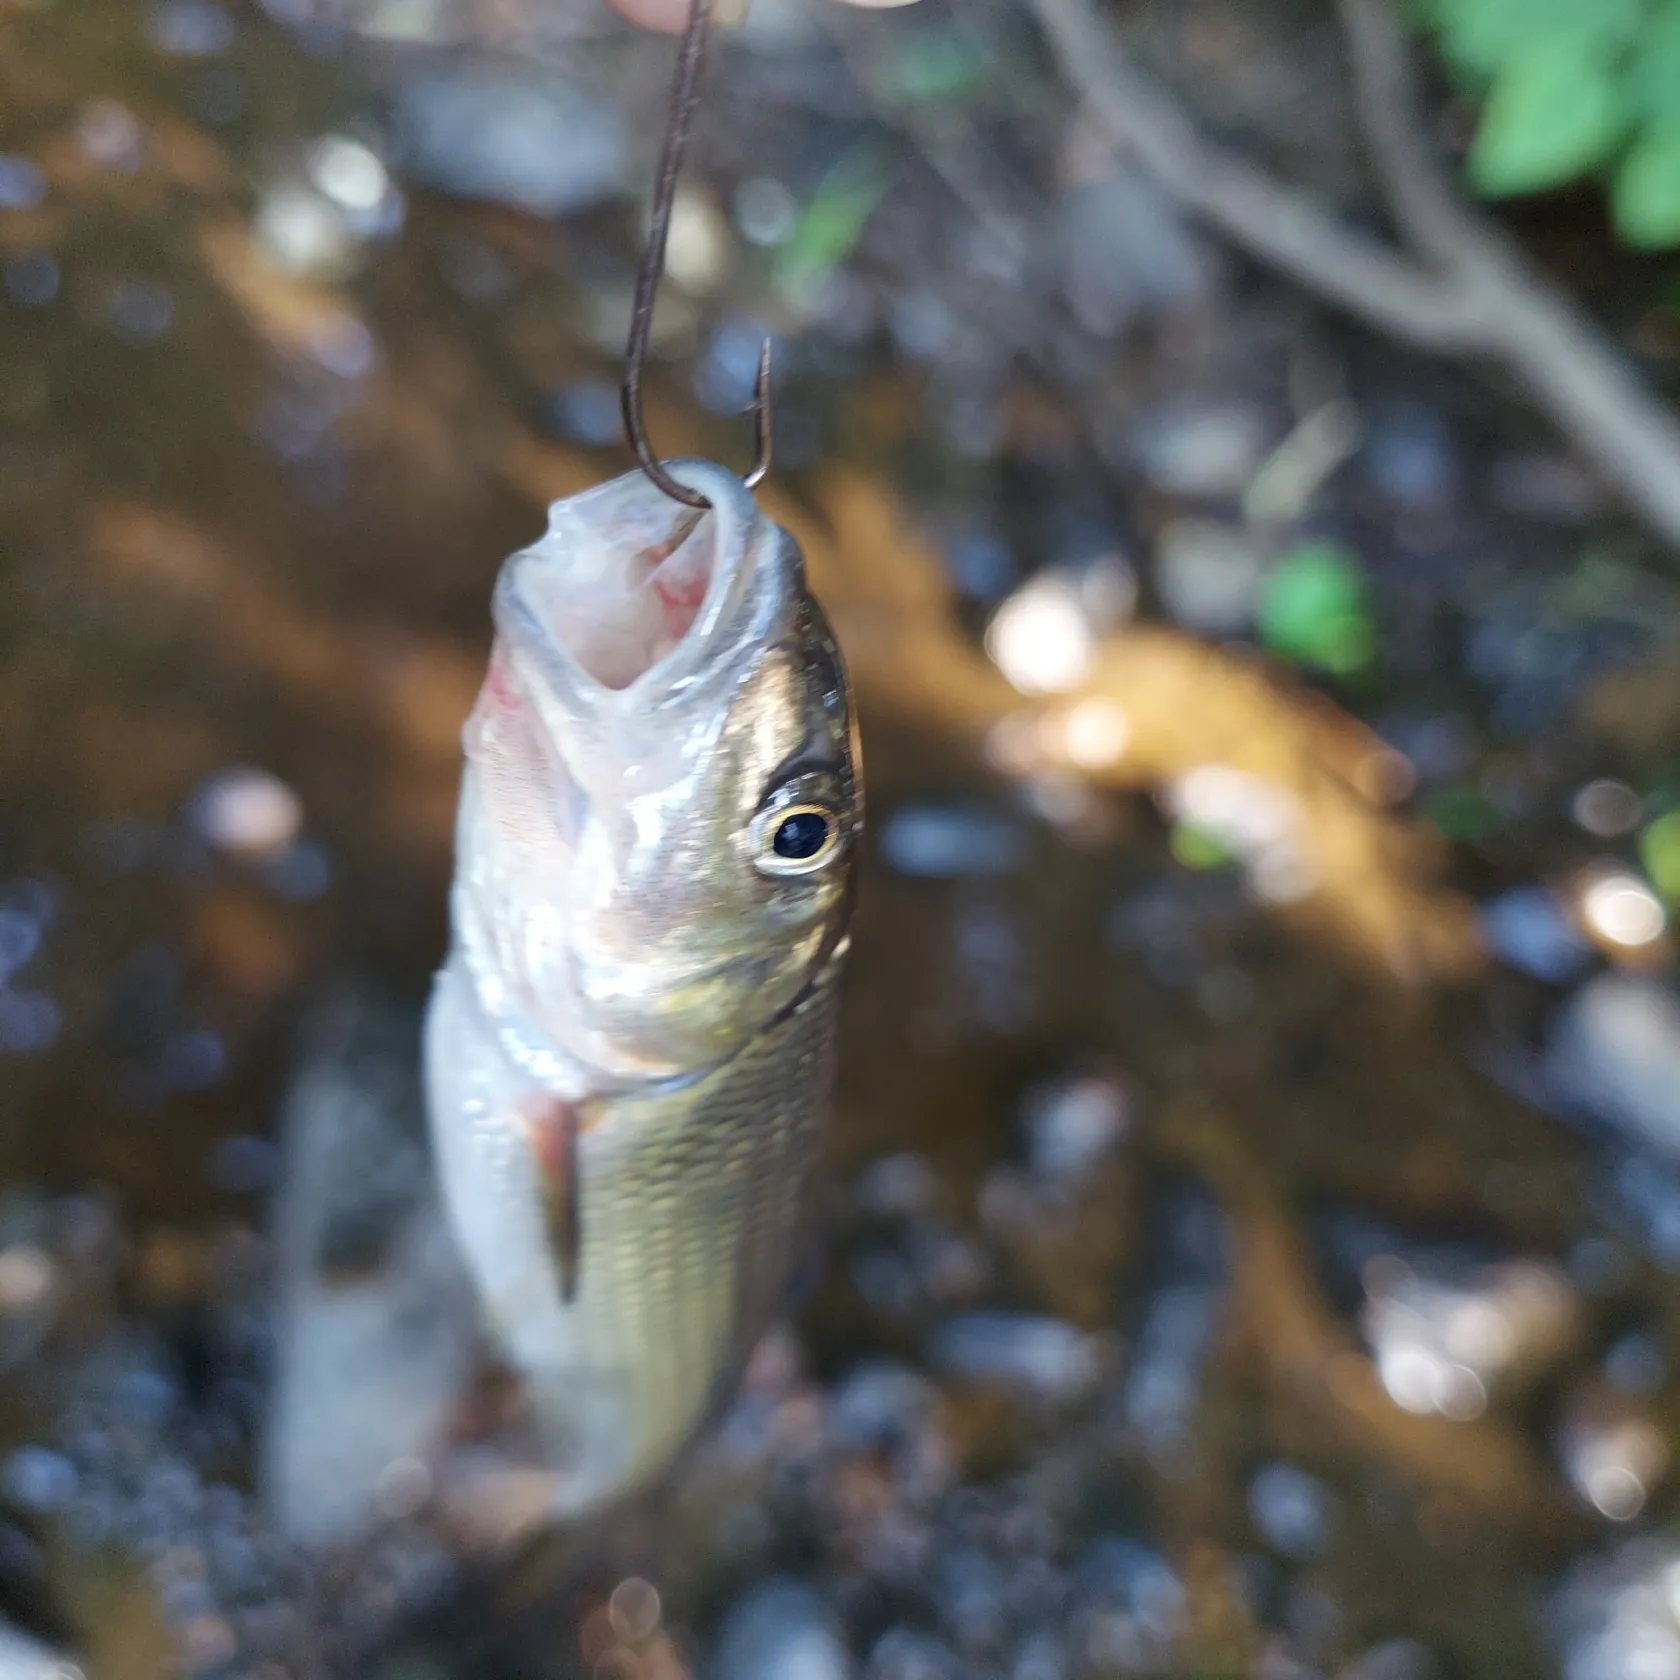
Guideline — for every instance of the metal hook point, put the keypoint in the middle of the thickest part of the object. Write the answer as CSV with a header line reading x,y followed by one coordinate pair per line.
x,y
683,99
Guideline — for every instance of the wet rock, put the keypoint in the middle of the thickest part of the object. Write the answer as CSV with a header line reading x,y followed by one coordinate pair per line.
x,y
1208,576
1125,253
1202,450
781,1630
1155,1406
896,1187
1129,1607
900,1654
1612,1450
1411,459
1528,929
946,841
1394,1659
246,812
1043,638
1447,1334
1615,1051
1071,1124
374,1316
511,136
1291,1510
1618,1616
1040,1358
1607,808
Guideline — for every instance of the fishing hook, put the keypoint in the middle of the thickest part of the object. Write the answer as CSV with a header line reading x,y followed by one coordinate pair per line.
x,y
683,100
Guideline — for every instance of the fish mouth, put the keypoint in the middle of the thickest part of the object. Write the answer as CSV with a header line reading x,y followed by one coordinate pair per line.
x,y
630,593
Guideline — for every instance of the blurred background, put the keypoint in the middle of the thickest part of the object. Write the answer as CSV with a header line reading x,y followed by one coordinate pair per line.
x,y
1230,437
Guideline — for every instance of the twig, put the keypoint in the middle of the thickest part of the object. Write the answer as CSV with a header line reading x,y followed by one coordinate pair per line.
x,y
1462,288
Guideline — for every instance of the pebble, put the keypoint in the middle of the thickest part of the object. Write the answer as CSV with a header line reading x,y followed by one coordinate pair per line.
x,y
109,135
1394,1659
31,278
900,1654
349,173
1041,1358
191,28
38,1479
1204,451
1291,1510
1607,809
139,311
1253,820
980,565
1125,253
1072,1123
22,185
1615,1050
246,812
1614,1455
522,138
944,842
302,232
1617,1617
766,211
1528,929
896,1187
781,1630
1445,1334
587,412
1620,908
28,1278
29,1022
1208,576
1042,638
1411,460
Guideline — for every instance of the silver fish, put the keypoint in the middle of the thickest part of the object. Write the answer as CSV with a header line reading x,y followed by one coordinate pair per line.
x,y
630,1047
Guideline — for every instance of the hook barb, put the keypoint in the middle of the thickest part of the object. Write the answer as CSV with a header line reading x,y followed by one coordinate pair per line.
x,y
684,96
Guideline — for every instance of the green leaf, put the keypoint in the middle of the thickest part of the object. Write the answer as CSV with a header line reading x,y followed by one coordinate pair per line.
x,y
1555,112
1481,36
1646,194
832,223
1315,609
1462,814
1195,848
1651,79
937,67
1659,851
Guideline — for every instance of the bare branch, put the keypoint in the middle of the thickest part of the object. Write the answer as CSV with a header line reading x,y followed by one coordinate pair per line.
x,y
1423,201
1479,293
1279,224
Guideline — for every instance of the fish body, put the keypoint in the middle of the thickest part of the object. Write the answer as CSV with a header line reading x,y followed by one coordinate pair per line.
x,y
629,1050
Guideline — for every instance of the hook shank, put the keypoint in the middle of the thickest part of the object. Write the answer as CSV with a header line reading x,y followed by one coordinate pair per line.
x,y
684,97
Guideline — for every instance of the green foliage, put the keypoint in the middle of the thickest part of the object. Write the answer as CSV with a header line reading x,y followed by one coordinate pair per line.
x,y
1195,848
1646,195
1479,37
833,221
1553,113
1659,851
1315,609
1571,89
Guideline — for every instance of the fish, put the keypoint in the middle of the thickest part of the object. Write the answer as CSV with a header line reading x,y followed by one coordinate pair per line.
x,y
629,1050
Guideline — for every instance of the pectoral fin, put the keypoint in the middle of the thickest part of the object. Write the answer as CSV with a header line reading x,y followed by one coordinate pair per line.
x,y
554,1131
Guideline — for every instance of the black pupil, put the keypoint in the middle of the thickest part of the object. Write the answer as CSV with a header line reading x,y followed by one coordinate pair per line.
x,y
802,835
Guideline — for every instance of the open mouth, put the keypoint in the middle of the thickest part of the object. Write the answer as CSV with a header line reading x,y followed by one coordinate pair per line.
x,y
627,580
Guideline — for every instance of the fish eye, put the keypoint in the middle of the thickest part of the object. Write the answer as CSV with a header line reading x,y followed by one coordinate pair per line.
x,y
795,837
